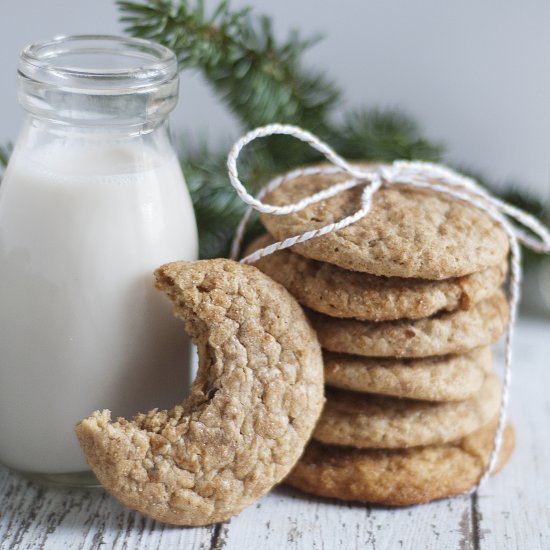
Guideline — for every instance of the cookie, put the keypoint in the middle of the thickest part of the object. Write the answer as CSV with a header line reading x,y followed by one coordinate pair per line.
x,y
373,421
442,378
399,477
408,232
454,332
338,292
253,406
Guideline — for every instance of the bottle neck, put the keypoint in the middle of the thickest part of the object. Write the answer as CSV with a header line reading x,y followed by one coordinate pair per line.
x,y
39,127
100,82
132,110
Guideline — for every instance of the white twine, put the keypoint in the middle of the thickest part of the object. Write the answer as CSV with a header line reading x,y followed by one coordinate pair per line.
x,y
414,174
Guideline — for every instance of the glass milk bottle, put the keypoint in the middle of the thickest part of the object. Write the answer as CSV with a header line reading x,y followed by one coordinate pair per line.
x,y
93,200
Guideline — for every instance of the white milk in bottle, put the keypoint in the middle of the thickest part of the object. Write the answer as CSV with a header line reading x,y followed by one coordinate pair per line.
x,y
93,200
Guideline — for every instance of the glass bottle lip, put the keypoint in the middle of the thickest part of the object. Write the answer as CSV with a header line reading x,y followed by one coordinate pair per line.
x,y
98,79
148,64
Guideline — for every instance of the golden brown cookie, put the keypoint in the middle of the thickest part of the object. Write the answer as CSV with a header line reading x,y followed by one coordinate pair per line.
x,y
454,332
441,378
253,406
373,421
399,477
408,232
339,292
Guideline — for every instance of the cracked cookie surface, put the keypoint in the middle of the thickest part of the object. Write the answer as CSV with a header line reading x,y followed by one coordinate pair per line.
x,y
453,332
253,405
399,477
441,378
338,292
373,421
408,232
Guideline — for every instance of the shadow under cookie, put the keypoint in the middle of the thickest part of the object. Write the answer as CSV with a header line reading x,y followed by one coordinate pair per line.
x,y
400,477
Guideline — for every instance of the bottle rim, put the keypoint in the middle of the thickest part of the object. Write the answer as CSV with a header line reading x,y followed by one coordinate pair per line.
x,y
98,80
100,64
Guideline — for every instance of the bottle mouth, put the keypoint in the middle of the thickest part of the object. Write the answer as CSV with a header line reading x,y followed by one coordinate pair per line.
x,y
98,63
73,77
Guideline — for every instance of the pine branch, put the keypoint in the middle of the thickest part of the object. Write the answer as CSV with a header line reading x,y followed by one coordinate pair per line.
x,y
258,77
373,134
512,192
212,197
5,152
218,208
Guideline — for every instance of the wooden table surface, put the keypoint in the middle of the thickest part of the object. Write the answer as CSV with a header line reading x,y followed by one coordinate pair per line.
x,y
511,512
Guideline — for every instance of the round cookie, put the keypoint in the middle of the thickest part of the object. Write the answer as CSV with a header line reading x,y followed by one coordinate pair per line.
x,y
254,403
409,232
399,477
338,292
372,421
454,332
441,378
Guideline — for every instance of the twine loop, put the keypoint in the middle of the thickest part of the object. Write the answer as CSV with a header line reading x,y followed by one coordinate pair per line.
x,y
422,175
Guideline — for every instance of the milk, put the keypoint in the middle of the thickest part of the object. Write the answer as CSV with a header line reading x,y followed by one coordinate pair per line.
x,y
82,227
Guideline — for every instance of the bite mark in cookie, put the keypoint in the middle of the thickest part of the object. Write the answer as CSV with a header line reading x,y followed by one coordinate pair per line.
x,y
253,406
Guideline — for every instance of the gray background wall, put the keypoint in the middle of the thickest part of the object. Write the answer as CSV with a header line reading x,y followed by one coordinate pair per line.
x,y
475,74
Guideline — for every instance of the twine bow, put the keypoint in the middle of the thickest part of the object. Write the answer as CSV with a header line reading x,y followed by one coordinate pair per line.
x,y
414,174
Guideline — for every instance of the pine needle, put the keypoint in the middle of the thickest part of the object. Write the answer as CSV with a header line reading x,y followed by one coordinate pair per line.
x,y
5,152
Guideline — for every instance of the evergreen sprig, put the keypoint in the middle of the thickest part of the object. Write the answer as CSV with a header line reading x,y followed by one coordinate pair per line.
x,y
213,198
259,78
5,152
383,135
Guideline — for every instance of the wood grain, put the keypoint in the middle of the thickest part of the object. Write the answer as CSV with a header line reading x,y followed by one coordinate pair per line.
x,y
287,519
511,512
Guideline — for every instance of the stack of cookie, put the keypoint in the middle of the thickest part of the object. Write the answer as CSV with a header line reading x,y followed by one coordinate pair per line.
x,y
406,303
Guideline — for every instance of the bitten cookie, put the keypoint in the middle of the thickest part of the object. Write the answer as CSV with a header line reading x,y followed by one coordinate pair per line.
x,y
372,421
253,406
398,477
408,232
338,292
441,378
455,332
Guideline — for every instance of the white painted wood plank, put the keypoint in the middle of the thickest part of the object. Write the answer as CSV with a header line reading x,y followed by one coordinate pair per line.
x,y
51,519
514,507
287,519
